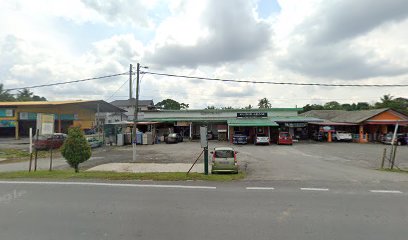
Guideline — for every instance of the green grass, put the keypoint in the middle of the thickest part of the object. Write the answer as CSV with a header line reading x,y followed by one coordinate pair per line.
x,y
17,155
163,176
394,170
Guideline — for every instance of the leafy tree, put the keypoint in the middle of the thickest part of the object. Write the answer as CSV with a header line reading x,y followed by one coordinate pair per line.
x,y
248,107
229,107
170,104
26,95
211,107
264,103
184,106
333,105
5,96
309,107
347,107
362,106
76,149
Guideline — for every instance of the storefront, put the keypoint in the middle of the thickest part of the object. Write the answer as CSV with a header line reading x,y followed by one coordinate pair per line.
x,y
223,123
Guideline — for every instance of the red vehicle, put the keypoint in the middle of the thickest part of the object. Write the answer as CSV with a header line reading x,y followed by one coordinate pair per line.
x,y
285,138
49,141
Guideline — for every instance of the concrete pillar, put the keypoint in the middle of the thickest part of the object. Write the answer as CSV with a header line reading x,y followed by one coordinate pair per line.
x,y
59,122
329,136
191,131
17,134
361,133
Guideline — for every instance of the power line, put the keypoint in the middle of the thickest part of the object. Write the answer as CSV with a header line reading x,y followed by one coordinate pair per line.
x,y
276,83
117,89
68,82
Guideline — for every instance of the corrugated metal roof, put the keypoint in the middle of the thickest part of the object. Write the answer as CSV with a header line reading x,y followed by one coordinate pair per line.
x,y
90,104
130,102
251,122
344,116
235,110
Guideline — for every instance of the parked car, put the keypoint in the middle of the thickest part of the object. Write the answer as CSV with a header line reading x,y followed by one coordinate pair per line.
x,y
239,138
342,136
48,141
402,139
261,139
285,138
89,131
173,138
387,138
224,159
93,142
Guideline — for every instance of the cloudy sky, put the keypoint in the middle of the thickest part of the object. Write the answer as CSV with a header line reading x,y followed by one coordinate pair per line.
x,y
338,41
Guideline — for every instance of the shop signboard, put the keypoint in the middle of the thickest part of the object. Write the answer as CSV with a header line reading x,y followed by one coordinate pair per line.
x,y
7,123
182,124
45,123
6,112
296,125
252,114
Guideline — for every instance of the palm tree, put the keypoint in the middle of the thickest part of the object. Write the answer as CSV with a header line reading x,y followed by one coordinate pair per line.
x,y
264,103
5,96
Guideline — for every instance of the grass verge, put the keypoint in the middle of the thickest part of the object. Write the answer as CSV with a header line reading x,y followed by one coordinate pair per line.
x,y
162,176
17,155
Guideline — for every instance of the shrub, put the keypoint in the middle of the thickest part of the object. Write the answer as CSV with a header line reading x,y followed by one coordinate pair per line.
x,y
75,149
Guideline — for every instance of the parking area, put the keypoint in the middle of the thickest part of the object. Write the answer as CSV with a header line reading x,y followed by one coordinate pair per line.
x,y
301,161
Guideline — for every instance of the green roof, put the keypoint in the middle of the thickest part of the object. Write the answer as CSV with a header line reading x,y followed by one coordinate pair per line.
x,y
234,110
251,122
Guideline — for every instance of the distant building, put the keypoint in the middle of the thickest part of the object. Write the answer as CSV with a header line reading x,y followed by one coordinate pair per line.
x,y
128,106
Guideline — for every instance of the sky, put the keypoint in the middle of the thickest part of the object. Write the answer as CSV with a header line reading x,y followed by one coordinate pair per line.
x,y
313,41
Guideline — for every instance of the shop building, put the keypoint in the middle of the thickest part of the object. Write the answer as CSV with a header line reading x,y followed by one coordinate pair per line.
x,y
365,125
223,123
16,118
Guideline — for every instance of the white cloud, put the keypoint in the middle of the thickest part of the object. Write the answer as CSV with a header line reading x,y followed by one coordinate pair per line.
x,y
205,38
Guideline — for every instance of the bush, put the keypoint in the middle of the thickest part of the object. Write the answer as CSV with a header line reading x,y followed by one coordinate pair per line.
x,y
75,149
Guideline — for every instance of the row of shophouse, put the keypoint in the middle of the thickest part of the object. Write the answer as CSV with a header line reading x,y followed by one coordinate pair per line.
x,y
117,118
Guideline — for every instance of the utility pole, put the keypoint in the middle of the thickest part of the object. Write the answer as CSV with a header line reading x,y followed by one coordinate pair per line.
x,y
136,110
130,82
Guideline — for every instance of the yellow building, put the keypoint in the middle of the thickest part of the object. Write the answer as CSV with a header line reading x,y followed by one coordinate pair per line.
x,y
17,117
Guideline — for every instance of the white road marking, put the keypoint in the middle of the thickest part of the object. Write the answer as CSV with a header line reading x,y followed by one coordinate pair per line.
x,y
385,191
314,189
260,188
109,184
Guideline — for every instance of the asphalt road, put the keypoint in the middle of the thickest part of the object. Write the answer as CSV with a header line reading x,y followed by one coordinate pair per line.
x,y
210,211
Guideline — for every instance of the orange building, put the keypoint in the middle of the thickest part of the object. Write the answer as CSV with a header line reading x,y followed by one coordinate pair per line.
x,y
367,125
17,117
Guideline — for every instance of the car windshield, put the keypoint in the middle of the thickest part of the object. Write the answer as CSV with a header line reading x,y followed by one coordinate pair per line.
x,y
224,154
261,135
284,134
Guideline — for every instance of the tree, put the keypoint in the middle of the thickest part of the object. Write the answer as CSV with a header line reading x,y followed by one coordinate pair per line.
x,y
229,107
362,106
248,107
347,107
76,149
333,105
26,95
211,107
5,96
309,107
264,103
170,104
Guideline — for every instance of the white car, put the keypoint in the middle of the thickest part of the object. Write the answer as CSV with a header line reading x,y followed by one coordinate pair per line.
x,y
262,139
342,136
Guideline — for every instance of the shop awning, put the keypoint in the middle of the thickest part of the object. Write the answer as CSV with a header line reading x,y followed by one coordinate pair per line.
x,y
258,122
